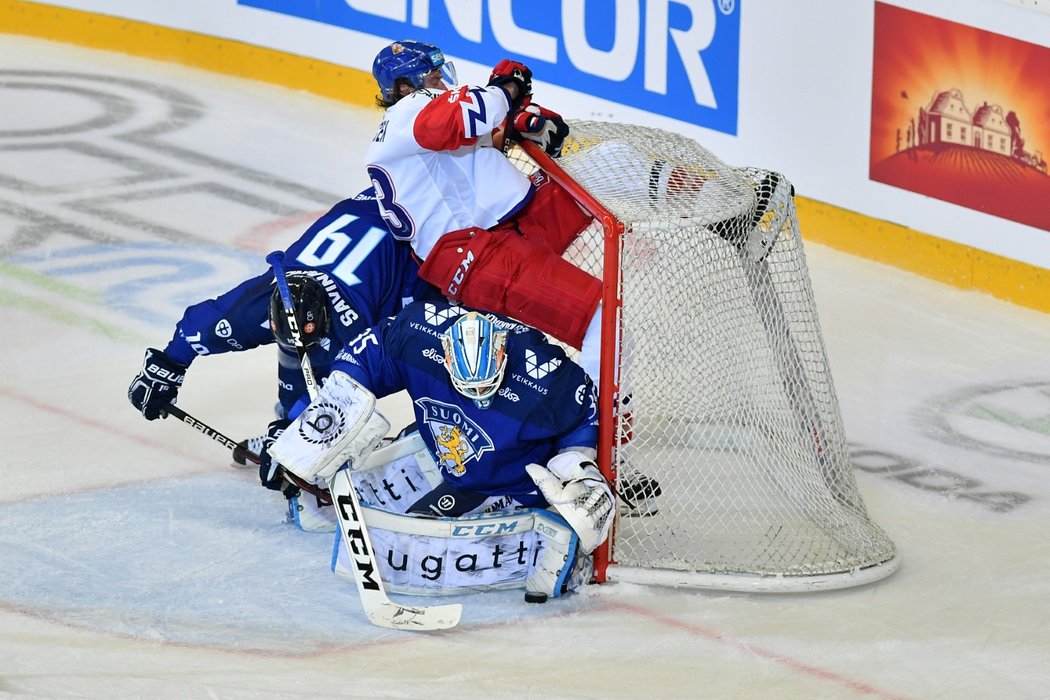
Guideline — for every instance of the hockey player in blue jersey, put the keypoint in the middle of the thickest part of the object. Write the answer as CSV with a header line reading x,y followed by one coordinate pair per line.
x,y
345,272
507,417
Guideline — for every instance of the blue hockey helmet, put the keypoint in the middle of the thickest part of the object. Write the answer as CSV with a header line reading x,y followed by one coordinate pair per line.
x,y
475,356
412,61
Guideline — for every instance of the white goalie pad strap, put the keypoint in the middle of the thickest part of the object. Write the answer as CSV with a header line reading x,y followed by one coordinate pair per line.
x,y
572,484
340,425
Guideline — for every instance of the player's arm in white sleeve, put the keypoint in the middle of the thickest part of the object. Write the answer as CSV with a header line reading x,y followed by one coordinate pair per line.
x,y
466,115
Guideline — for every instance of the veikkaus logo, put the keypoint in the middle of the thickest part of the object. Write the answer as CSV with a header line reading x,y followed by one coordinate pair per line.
x,y
436,317
537,369
679,59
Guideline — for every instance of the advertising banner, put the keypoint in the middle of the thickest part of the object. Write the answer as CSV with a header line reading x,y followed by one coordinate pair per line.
x,y
961,114
676,58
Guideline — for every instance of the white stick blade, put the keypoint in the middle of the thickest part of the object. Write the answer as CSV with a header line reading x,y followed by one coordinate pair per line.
x,y
410,617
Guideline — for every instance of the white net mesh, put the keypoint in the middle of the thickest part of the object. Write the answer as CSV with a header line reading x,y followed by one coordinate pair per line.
x,y
723,368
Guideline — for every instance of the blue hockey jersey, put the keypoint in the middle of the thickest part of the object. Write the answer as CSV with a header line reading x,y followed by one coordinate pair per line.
x,y
546,402
368,276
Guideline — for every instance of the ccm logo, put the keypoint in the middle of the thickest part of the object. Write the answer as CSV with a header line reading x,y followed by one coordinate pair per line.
x,y
461,272
484,530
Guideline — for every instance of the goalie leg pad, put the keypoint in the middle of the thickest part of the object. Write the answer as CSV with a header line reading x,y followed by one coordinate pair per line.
x,y
310,515
340,425
443,556
560,567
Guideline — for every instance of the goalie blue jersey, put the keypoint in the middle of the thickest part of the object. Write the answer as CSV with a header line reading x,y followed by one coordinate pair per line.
x,y
367,274
545,403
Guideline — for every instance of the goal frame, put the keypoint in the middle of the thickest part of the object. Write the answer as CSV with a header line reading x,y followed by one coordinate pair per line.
x,y
606,568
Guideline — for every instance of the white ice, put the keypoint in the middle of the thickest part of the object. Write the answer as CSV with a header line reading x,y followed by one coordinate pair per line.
x,y
135,562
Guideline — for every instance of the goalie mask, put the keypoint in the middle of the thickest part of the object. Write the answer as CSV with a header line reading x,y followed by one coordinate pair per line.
x,y
475,357
310,302
409,61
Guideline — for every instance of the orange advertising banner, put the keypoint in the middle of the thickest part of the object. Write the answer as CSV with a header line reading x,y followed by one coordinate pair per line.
x,y
961,114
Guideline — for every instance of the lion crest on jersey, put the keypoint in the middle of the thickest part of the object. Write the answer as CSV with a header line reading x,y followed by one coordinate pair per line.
x,y
458,440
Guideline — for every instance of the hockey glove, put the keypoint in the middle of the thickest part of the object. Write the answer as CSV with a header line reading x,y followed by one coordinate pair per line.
x,y
541,125
269,469
508,71
156,385
573,485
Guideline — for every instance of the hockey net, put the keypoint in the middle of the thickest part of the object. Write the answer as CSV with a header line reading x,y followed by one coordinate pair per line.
x,y
715,380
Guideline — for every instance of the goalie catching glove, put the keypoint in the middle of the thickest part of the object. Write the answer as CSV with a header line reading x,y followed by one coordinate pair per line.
x,y
572,484
340,425
541,125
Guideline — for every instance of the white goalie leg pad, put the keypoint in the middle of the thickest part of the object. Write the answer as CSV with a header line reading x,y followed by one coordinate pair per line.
x,y
572,484
446,556
340,425
560,567
396,475
309,515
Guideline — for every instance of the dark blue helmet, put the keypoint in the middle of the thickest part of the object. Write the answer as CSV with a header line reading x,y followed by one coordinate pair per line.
x,y
411,60
310,301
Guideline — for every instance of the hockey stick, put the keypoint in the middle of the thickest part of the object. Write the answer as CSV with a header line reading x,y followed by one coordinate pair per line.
x,y
381,611
172,410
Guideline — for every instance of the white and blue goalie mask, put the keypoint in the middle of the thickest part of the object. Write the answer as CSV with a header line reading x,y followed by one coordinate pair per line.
x,y
475,356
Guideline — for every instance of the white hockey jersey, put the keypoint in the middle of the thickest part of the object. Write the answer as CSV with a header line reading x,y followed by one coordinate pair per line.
x,y
434,167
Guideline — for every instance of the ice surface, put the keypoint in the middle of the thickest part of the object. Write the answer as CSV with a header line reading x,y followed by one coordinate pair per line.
x,y
135,562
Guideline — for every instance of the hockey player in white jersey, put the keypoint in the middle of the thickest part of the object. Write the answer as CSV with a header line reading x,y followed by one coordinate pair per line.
x,y
487,235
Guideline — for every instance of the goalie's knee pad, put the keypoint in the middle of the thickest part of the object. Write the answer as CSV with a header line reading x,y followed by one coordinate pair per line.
x,y
560,567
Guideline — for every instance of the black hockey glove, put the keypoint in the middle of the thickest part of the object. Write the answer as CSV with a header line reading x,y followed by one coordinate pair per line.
x,y
270,473
508,71
541,125
156,385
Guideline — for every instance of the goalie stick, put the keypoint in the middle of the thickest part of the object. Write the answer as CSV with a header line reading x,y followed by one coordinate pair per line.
x,y
172,410
380,610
